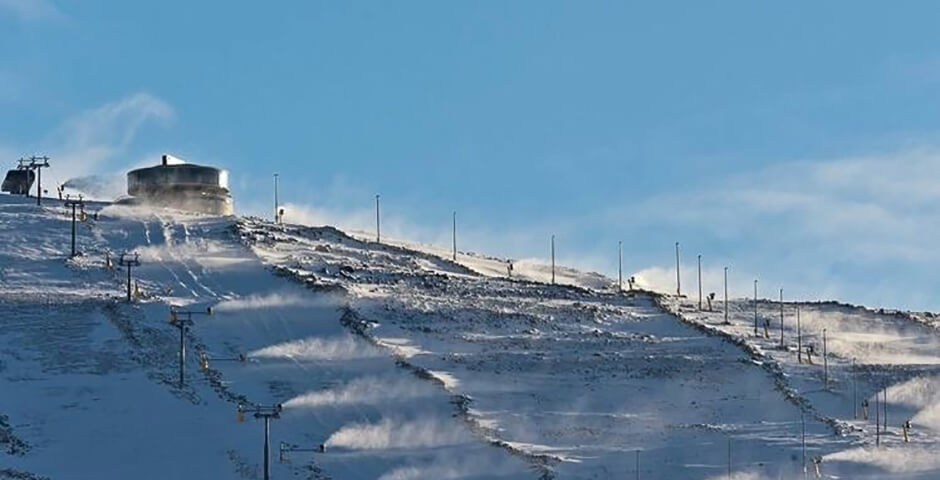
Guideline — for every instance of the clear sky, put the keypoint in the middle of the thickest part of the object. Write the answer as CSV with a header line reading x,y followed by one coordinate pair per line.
x,y
795,141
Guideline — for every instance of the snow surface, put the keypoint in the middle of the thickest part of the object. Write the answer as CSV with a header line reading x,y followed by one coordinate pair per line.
x,y
407,365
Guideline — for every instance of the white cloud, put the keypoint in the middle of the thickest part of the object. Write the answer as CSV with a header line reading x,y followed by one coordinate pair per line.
x,y
878,208
31,10
857,229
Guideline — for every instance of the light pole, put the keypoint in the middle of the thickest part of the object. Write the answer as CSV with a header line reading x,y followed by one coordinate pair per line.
x,y
729,458
266,413
277,217
620,265
553,259
803,435
700,282
825,363
781,318
678,281
378,227
799,337
127,261
726,296
74,203
755,308
455,235
182,323
854,389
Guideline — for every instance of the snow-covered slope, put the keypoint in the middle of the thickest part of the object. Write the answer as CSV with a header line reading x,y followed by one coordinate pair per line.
x,y
406,365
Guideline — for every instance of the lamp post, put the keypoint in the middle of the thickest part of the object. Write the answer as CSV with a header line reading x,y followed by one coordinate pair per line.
x,y
553,259
455,235
378,226
726,296
755,307
620,265
781,318
277,216
678,281
700,282
825,363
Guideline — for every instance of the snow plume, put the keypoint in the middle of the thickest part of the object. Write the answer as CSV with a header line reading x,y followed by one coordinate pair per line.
x,y
274,300
97,187
363,391
445,468
909,459
93,139
395,434
739,476
313,348
916,392
663,279
922,393
870,338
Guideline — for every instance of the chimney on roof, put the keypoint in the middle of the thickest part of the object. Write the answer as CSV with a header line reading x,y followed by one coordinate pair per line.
x,y
168,159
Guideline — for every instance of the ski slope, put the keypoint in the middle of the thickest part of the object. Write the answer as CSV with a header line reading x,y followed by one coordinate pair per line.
x,y
406,365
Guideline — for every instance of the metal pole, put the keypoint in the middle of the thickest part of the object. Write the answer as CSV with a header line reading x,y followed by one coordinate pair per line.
x,y
755,308
637,465
39,186
700,282
729,458
553,259
620,270
678,281
877,421
854,389
803,434
73,229
455,235
182,352
726,295
781,318
799,337
884,405
378,227
277,218
825,362
128,282
267,453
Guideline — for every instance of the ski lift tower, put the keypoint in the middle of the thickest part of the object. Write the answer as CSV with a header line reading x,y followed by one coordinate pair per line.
x,y
37,164
70,202
182,319
266,413
127,261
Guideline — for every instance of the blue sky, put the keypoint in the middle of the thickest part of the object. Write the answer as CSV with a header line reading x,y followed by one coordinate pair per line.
x,y
794,141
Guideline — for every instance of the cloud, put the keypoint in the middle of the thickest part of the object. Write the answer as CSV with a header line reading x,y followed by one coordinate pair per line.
x,y
840,228
31,10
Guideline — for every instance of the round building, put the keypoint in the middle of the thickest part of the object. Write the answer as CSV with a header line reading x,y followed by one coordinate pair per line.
x,y
183,186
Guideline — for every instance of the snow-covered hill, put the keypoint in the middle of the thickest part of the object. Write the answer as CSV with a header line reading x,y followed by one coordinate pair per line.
x,y
406,365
